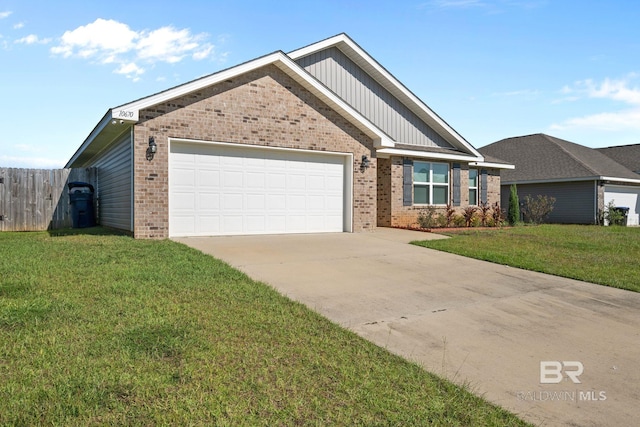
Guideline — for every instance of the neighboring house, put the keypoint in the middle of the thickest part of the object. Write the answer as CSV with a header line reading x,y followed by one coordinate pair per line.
x,y
581,179
627,155
322,139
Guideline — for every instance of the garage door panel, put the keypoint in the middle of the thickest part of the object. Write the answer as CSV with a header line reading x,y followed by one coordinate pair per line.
x,y
232,202
209,224
223,190
209,202
255,202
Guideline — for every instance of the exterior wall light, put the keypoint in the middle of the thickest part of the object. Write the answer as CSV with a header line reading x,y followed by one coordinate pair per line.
x,y
364,164
153,147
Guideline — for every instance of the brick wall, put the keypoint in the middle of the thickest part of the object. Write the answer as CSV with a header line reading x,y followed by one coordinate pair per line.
x,y
391,210
263,107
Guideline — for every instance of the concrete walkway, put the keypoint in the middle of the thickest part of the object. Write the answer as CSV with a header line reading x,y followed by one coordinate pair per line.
x,y
478,323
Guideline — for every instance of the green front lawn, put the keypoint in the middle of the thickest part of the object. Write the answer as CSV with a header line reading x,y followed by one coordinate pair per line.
x,y
605,255
103,329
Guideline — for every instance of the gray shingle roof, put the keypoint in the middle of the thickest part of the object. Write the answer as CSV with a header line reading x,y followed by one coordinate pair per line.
x,y
627,155
542,157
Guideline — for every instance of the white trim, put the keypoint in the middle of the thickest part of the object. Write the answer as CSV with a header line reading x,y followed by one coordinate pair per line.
x,y
358,55
590,178
348,206
492,165
385,153
285,64
630,181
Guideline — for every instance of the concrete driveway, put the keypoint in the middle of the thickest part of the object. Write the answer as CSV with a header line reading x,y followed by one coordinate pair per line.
x,y
478,323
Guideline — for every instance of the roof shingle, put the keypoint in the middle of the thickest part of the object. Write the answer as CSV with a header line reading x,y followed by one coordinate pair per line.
x,y
541,157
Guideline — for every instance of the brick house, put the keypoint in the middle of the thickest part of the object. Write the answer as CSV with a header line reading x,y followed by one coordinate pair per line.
x,y
322,139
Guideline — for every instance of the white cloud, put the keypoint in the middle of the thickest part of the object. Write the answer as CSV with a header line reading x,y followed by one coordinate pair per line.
x,y
5,14
130,70
102,38
620,90
32,39
18,25
112,42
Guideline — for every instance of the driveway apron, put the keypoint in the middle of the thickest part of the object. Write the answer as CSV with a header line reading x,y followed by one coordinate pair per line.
x,y
555,351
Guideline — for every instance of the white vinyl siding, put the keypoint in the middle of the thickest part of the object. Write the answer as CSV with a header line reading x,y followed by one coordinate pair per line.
x,y
430,183
114,182
228,189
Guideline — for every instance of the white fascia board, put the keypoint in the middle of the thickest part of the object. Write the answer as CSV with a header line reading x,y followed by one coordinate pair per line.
x,y
433,119
199,84
285,64
492,165
550,181
388,152
629,180
589,178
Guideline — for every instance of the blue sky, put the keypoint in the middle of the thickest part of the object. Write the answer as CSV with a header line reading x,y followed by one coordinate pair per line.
x,y
491,68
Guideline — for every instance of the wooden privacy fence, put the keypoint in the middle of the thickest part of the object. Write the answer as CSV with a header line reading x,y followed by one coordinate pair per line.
x,y
38,199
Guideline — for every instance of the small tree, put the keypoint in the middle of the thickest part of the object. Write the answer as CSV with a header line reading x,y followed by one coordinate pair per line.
x,y
538,209
513,213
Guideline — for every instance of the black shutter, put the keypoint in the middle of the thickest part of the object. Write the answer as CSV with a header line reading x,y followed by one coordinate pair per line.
x,y
456,184
483,186
407,182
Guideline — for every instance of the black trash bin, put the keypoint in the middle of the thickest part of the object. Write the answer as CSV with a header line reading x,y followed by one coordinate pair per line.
x,y
624,213
81,199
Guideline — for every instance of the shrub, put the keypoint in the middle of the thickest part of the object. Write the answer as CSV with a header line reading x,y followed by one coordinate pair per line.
x,y
537,210
612,216
497,215
468,213
513,213
449,215
458,220
426,217
484,213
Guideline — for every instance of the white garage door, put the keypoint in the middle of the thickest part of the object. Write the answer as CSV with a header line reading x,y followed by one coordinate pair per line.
x,y
624,196
222,189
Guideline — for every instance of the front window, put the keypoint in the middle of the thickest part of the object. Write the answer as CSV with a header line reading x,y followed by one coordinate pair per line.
x,y
473,186
430,183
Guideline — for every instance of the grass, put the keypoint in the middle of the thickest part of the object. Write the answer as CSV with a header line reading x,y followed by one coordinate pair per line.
x,y
604,255
103,329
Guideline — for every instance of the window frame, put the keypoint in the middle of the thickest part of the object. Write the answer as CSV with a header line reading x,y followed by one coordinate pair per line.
x,y
475,202
430,184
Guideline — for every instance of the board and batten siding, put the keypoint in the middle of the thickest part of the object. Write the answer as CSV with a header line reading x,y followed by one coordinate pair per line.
x,y
351,83
114,186
575,201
